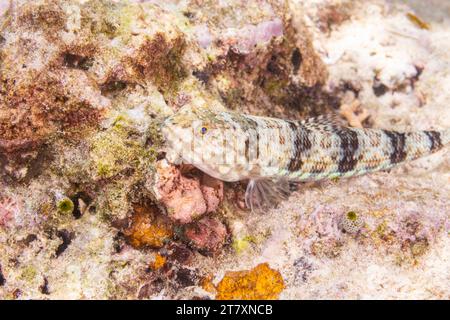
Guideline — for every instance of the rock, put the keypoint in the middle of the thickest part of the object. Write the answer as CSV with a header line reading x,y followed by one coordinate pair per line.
x,y
181,195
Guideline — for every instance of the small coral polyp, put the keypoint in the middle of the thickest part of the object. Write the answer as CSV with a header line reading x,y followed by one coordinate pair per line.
x,y
65,205
9,209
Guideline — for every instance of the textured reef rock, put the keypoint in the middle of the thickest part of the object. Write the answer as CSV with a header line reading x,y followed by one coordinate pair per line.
x,y
260,283
90,207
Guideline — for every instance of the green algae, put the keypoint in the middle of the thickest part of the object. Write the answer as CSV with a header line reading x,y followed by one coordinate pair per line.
x,y
28,273
115,150
113,201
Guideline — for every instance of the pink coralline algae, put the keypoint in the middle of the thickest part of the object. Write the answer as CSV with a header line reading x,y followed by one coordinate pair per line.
x,y
208,234
267,30
212,190
186,198
8,210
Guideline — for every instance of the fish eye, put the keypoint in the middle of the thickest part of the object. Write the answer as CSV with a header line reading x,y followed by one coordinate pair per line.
x,y
203,130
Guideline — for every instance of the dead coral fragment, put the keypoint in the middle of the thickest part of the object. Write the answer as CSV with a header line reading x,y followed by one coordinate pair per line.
x,y
31,112
147,229
417,21
354,113
260,283
115,150
48,16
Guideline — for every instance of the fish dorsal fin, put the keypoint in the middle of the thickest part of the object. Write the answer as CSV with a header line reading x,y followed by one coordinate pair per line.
x,y
329,121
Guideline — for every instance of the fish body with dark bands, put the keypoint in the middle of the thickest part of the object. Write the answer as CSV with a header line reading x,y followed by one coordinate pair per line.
x,y
244,147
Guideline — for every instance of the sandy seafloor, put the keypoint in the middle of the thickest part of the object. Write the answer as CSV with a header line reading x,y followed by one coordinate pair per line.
x,y
402,250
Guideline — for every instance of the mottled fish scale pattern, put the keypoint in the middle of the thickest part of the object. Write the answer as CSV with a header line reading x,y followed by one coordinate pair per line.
x,y
232,146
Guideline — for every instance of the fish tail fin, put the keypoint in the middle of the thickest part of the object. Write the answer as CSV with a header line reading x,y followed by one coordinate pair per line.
x,y
418,143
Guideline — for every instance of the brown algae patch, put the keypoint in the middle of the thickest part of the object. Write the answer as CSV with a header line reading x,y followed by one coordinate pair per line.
x,y
148,230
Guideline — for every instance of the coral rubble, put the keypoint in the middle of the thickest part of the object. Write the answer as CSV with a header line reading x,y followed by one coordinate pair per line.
x,y
91,209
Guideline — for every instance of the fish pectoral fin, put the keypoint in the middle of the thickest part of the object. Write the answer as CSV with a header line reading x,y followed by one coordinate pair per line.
x,y
266,193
